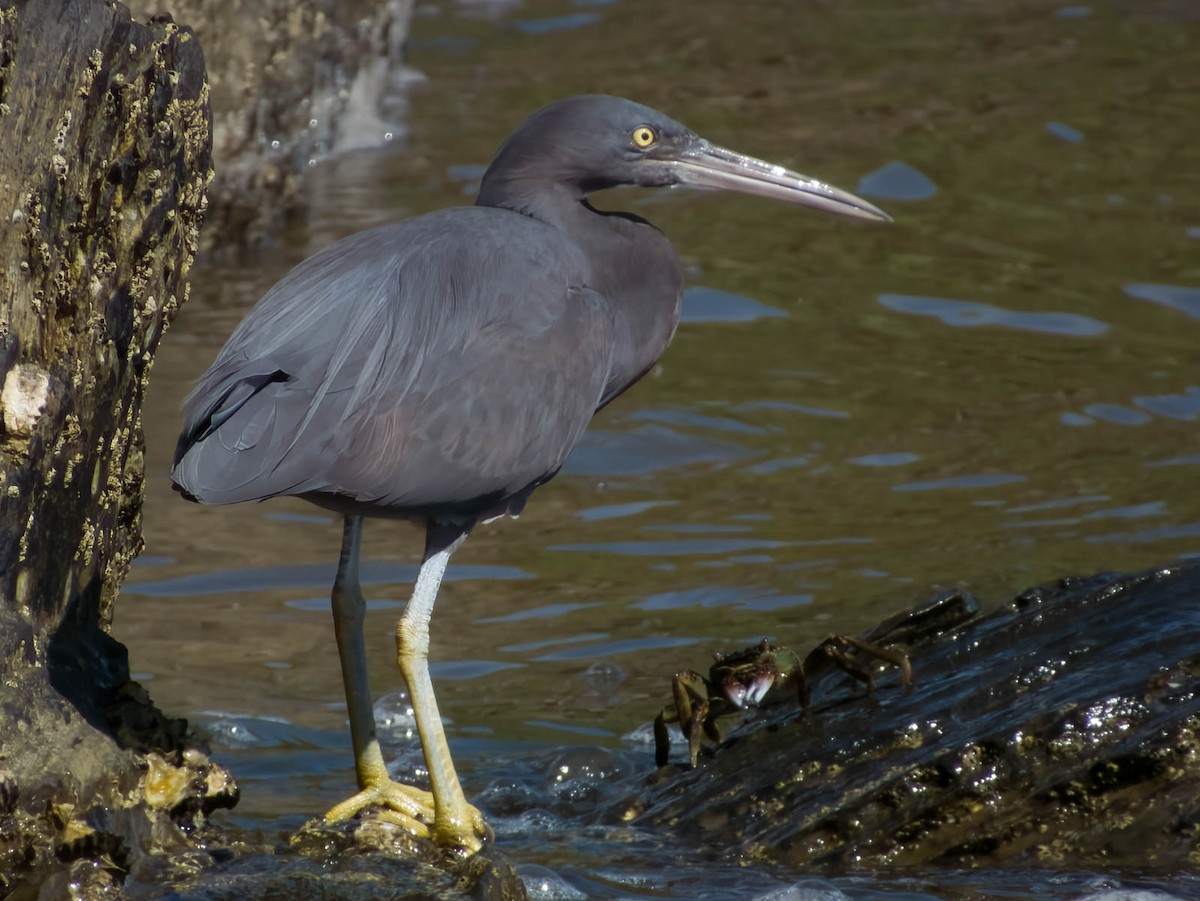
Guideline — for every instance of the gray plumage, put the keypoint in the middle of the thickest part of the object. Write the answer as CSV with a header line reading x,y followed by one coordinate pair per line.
x,y
442,366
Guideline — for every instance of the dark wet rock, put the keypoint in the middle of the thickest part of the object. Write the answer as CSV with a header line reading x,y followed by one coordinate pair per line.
x,y
369,857
291,83
1061,730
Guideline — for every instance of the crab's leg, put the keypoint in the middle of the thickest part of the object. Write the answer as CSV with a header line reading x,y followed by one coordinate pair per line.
x,y
894,656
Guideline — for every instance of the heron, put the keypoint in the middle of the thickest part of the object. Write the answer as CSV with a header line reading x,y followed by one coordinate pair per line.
x,y
440,368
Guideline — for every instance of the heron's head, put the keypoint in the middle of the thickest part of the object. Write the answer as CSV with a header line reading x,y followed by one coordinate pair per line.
x,y
594,141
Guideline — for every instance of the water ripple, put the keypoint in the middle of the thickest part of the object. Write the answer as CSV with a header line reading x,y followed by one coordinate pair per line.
x,y
1116,414
897,181
788,406
702,304
462,670
896,459
1173,406
981,480
1065,132
969,314
1177,297
706,597
681,547
557,23
681,416
309,575
547,611
617,511
623,646
643,450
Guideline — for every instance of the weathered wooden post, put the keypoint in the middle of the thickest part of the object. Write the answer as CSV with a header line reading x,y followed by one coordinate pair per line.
x,y
104,159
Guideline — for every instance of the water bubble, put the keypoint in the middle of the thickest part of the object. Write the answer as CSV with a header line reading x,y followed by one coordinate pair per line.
x,y
394,719
604,677
576,776
543,884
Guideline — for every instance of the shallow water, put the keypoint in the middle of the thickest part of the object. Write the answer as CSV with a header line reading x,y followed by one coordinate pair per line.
x,y
998,389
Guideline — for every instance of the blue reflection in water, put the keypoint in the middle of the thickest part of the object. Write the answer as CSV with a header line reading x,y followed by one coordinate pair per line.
x,y
1116,413
701,304
547,611
308,575
681,416
1059,503
616,511
1075,419
527,646
643,450
1186,460
1065,132
682,547
969,314
574,729
1172,406
461,670
557,23
895,459
1136,511
738,560
697,528
897,181
769,466
624,646
982,480
705,597
788,406
1177,297
1149,536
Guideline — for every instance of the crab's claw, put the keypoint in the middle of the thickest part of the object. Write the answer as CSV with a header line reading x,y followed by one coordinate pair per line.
x,y
742,693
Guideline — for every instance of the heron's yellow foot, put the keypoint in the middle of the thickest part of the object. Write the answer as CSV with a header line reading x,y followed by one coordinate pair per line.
x,y
408,806
416,810
464,829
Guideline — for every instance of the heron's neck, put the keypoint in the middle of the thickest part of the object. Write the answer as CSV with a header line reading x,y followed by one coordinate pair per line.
x,y
551,201
633,265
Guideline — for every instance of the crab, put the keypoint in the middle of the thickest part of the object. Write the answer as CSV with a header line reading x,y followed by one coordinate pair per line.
x,y
711,706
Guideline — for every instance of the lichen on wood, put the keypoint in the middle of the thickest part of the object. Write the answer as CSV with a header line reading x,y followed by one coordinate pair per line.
x,y
104,164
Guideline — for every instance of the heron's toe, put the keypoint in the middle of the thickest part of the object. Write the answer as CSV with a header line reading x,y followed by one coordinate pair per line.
x,y
406,805
465,829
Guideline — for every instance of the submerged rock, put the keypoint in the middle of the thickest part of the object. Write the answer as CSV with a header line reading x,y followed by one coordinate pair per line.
x,y
1061,730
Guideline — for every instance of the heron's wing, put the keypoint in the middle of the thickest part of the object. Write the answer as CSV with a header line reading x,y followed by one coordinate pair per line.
x,y
434,362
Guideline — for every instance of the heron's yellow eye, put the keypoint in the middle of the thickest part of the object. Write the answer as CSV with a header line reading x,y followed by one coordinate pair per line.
x,y
644,136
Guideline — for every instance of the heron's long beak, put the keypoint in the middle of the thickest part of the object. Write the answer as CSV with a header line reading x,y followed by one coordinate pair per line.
x,y
705,165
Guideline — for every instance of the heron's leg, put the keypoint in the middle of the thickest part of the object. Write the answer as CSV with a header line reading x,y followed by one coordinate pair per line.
x,y
456,823
414,806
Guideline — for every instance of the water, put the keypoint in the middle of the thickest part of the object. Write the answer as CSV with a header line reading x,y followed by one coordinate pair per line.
x,y
998,389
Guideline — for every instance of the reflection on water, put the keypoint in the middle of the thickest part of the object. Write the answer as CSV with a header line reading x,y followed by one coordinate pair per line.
x,y
1186,300
967,314
897,181
829,437
701,304
1064,131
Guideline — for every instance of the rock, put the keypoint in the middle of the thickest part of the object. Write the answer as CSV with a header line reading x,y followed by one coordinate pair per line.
x,y
291,83
1061,730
